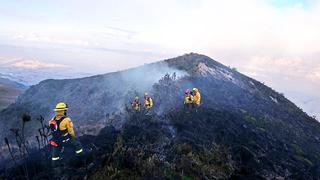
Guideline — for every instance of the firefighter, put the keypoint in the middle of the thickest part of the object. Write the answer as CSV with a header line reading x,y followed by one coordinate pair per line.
x,y
196,97
148,102
188,100
136,105
62,133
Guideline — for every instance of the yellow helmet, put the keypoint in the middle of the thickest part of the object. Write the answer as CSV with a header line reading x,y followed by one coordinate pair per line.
x,y
61,106
195,89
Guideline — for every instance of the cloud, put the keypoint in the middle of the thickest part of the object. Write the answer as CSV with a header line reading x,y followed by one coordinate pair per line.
x,y
177,26
294,68
31,64
15,62
315,74
34,37
88,36
209,26
288,66
297,77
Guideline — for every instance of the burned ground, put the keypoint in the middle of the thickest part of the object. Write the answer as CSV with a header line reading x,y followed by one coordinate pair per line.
x,y
207,144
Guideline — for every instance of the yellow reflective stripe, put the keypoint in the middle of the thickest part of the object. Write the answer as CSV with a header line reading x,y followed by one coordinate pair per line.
x,y
55,158
79,151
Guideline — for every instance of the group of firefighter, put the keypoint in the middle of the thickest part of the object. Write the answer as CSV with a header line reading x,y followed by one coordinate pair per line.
x,y
148,103
192,99
63,134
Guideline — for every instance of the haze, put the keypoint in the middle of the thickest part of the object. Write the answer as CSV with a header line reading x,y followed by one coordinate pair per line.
x,y
276,42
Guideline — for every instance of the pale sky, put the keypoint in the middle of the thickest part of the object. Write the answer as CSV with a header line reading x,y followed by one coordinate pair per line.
x,y
274,41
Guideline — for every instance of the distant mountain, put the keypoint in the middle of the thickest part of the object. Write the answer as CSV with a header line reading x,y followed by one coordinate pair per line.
x,y
29,72
242,129
9,91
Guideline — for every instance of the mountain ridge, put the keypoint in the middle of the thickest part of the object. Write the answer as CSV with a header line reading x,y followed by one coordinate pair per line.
x,y
262,134
186,65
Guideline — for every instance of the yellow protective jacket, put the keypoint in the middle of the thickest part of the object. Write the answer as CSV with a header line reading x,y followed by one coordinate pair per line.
x,y
188,99
197,98
148,103
65,125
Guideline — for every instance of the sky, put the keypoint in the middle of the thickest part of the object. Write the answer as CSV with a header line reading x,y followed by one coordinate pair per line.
x,y
274,41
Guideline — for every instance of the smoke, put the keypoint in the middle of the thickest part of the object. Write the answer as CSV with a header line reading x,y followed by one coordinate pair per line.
x,y
144,77
135,82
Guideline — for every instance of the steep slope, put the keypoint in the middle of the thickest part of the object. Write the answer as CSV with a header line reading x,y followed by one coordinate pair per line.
x,y
90,99
9,91
207,144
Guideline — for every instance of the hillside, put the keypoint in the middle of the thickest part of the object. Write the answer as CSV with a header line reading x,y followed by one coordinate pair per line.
x,y
9,91
243,128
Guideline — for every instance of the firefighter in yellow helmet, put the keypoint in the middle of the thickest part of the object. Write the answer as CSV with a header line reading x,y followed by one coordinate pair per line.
x,y
188,100
196,97
136,105
148,102
62,132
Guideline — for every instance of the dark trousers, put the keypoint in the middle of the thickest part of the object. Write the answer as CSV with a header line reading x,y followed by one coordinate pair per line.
x,y
72,143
